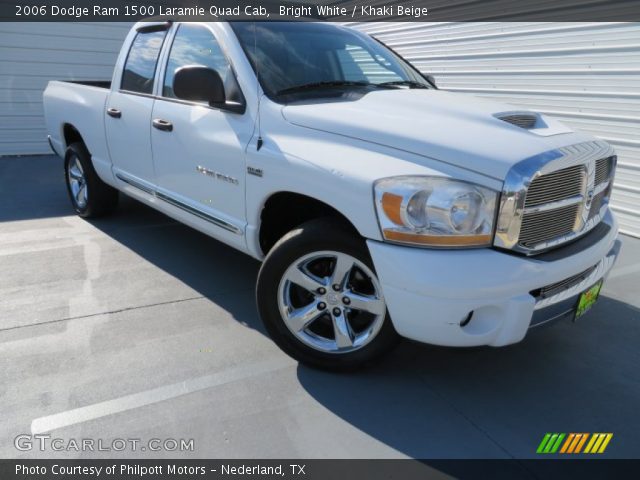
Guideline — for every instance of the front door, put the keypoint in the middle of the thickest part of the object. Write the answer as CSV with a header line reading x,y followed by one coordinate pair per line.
x,y
198,151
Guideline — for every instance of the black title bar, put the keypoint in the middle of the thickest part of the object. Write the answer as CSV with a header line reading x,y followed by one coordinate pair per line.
x,y
298,469
328,10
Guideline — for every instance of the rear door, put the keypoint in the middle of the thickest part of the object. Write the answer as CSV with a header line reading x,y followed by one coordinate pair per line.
x,y
128,111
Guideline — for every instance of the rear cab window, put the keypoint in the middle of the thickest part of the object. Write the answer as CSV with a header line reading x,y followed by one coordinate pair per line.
x,y
142,61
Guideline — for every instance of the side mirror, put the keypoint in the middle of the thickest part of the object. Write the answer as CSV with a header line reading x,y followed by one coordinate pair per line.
x,y
431,80
199,84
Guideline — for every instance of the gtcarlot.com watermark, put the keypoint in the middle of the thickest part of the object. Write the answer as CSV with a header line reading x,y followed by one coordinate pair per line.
x,y
47,443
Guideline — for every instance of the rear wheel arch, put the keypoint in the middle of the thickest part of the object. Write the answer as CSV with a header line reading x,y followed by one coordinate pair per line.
x,y
89,195
71,135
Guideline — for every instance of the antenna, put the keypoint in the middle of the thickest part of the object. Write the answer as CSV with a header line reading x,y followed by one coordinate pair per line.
x,y
258,96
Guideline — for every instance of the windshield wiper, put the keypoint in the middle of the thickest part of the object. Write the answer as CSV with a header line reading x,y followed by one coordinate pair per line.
x,y
407,83
319,85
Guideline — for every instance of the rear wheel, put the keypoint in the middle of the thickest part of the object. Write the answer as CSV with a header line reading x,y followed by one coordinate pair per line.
x,y
89,195
320,298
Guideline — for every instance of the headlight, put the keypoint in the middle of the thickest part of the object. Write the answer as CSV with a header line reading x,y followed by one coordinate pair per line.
x,y
435,211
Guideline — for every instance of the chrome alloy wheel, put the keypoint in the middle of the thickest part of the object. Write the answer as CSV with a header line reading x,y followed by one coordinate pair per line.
x,y
77,183
331,302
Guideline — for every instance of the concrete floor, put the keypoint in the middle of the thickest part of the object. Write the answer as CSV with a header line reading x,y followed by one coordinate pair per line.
x,y
135,326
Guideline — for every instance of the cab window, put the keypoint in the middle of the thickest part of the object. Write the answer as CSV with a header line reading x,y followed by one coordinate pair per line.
x,y
140,67
196,45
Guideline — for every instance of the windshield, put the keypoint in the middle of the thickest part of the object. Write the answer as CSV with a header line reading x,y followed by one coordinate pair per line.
x,y
289,55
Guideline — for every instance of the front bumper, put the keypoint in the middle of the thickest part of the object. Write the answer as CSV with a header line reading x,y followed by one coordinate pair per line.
x,y
429,293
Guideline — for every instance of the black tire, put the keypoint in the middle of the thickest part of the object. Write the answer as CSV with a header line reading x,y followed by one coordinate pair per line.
x,y
320,235
101,199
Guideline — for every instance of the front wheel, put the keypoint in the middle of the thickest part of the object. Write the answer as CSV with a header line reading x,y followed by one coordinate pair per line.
x,y
320,299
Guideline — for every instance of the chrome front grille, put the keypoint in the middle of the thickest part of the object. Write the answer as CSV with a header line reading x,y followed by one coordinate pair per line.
x,y
555,197
538,227
597,203
603,170
555,288
556,186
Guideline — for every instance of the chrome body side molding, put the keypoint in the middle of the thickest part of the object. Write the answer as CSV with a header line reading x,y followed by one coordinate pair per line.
x,y
135,183
181,205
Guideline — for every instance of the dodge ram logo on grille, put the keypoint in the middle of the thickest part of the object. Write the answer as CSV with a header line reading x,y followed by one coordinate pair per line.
x,y
589,198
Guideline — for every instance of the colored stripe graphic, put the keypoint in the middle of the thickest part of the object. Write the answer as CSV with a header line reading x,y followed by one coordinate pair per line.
x,y
567,443
605,443
581,442
598,443
592,442
556,445
574,442
550,443
543,443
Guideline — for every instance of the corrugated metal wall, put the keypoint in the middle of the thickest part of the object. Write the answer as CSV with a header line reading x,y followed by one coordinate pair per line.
x,y
31,54
586,74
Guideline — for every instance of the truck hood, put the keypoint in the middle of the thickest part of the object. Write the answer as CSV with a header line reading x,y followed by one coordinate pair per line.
x,y
453,128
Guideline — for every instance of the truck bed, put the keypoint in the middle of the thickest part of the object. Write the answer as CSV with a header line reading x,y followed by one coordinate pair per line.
x,y
91,83
74,105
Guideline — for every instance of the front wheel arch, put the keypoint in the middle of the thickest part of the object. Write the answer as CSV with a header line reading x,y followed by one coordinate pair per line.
x,y
284,211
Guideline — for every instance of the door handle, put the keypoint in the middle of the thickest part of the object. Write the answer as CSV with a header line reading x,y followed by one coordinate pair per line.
x,y
114,112
164,125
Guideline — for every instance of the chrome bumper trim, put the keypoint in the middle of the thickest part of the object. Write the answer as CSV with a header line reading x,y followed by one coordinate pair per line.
x,y
600,271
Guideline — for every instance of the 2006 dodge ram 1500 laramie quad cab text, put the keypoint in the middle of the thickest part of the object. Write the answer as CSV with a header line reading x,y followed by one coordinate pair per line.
x,y
379,205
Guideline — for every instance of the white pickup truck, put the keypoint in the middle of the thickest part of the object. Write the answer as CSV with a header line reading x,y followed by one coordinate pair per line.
x,y
380,206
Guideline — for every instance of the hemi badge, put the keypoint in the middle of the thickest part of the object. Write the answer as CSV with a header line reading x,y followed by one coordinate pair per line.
x,y
217,175
254,171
